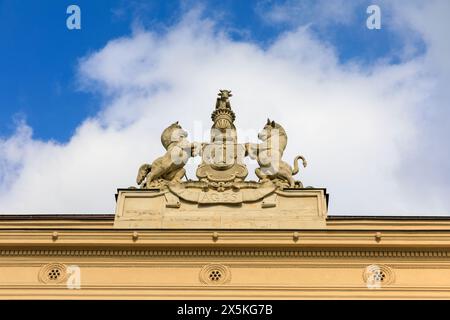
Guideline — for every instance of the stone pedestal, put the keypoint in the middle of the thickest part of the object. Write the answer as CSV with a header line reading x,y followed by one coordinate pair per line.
x,y
180,207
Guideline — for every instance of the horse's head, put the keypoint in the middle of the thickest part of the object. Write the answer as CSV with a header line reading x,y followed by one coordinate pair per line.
x,y
173,133
271,129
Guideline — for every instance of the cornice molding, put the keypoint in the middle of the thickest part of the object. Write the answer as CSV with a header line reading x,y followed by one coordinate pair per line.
x,y
258,253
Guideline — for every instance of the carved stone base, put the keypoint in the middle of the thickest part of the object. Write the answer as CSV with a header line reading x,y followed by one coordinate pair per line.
x,y
243,208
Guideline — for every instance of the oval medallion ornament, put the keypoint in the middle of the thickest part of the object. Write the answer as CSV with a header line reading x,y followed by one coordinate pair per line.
x,y
376,276
215,274
53,273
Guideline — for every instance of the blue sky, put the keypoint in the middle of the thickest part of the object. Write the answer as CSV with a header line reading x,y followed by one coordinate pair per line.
x,y
369,109
40,55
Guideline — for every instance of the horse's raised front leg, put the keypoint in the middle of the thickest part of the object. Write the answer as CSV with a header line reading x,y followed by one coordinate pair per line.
x,y
176,175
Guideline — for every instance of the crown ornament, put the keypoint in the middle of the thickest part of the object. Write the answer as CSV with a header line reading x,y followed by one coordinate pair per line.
x,y
223,117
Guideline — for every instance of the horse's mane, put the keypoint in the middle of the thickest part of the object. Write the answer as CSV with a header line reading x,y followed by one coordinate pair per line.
x,y
280,129
282,135
166,136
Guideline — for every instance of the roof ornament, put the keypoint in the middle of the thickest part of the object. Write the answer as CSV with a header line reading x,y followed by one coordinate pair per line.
x,y
222,164
222,197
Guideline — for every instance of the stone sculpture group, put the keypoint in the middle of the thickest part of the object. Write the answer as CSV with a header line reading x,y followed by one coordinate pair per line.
x,y
222,166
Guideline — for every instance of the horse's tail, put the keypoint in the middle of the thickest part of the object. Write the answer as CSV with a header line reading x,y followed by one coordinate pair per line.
x,y
296,169
142,173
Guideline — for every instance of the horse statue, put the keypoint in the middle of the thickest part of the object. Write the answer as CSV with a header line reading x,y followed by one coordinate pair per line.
x,y
170,166
269,155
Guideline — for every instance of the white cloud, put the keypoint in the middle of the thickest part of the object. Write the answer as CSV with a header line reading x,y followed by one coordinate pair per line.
x,y
304,12
358,128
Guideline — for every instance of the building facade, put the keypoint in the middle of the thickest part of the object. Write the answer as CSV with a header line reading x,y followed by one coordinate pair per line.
x,y
85,257
222,236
